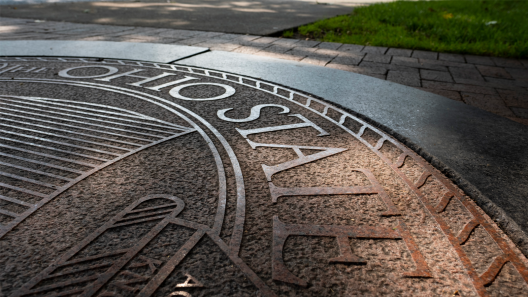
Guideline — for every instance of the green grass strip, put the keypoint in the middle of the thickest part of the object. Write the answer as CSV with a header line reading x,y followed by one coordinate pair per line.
x,y
479,27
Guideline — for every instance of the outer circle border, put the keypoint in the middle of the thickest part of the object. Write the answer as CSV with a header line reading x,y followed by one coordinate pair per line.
x,y
434,210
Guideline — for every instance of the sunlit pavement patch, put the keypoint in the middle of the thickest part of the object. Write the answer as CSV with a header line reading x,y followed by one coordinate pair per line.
x,y
121,178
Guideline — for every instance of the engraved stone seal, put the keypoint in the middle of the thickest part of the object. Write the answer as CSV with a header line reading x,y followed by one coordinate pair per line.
x,y
125,178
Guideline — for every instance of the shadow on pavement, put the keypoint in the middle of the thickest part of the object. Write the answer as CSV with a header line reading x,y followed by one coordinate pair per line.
x,y
245,17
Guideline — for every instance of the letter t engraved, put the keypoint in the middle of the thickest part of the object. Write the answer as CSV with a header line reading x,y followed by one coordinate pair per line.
x,y
276,192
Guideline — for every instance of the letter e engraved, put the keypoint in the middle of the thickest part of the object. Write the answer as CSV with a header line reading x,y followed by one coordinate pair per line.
x,y
342,233
111,262
281,232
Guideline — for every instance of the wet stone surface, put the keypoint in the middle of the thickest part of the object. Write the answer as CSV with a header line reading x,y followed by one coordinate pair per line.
x,y
121,178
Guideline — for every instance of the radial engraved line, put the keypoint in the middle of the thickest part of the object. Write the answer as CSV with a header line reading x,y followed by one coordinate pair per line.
x,y
67,131
222,180
177,131
87,118
132,114
74,121
87,113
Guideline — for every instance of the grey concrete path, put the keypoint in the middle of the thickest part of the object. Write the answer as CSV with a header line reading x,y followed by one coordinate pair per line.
x,y
261,17
325,2
494,84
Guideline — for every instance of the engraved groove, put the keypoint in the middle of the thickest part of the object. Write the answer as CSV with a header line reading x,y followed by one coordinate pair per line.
x,y
67,137
72,108
88,118
441,206
16,201
34,193
172,129
84,123
29,180
477,280
50,147
78,270
35,171
95,283
68,131
463,235
62,143
493,270
8,213
45,155
423,178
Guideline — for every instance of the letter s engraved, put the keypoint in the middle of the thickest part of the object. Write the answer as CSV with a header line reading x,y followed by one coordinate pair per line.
x,y
255,113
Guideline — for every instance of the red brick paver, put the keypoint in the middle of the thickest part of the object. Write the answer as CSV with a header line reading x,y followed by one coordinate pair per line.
x,y
497,85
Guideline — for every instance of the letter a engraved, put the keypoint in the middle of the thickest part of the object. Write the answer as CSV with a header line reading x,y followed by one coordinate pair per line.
x,y
187,284
195,284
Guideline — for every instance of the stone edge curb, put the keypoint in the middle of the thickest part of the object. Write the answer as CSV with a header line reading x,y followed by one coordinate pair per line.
x,y
497,214
152,52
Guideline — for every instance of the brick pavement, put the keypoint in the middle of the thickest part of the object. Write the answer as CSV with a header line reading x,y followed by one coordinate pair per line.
x,y
497,85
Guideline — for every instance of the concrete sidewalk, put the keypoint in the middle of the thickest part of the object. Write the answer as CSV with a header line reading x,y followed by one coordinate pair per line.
x,y
261,17
497,85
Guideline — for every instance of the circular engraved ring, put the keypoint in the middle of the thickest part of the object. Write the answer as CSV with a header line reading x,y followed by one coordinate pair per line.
x,y
124,178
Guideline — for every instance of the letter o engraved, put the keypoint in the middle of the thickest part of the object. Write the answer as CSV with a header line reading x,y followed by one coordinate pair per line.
x,y
175,92
111,70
